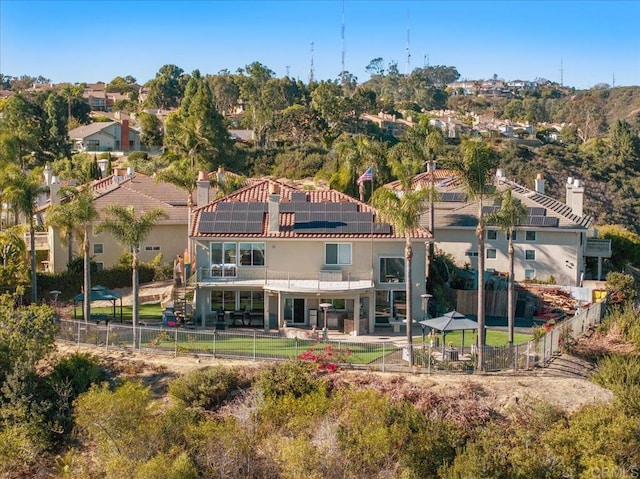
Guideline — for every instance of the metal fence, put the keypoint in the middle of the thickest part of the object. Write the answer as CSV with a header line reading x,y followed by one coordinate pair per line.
x,y
375,356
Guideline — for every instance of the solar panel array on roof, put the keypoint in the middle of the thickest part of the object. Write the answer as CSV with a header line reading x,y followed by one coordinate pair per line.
x,y
453,196
241,221
336,218
238,206
488,210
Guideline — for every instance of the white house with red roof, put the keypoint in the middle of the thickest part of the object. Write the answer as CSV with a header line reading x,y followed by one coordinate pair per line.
x,y
270,255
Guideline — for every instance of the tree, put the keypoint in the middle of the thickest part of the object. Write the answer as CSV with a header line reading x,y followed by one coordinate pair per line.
x,y
22,190
130,231
474,169
196,130
403,212
225,92
424,143
511,214
152,130
167,88
13,258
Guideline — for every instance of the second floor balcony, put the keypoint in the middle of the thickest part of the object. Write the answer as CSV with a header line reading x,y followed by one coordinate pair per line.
x,y
322,280
598,248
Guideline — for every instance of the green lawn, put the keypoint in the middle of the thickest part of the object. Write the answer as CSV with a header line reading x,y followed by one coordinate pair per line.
x,y
147,312
494,338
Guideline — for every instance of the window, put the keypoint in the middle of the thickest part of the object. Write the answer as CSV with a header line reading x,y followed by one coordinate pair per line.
x,y
223,300
529,273
471,254
492,234
337,304
514,234
152,248
492,253
530,235
530,254
338,253
390,305
224,260
98,248
252,254
392,270
93,145
251,300
99,266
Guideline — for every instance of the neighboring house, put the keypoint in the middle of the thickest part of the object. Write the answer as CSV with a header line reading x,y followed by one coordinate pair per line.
x,y
105,136
554,241
129,189
275,253
387,123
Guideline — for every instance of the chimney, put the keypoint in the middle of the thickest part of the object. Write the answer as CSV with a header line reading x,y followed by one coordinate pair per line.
x,y
47,174
124,136
220,174
539,184
202,188
274,208
568,195
577,195
54,191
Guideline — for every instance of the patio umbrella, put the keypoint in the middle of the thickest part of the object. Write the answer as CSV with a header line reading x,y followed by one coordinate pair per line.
x,y
451,321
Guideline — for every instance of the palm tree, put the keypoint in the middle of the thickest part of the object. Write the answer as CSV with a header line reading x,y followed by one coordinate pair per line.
x,y
130,231
474,169
84,212
13,256
403,212
22,190
183,174
511,214
425,143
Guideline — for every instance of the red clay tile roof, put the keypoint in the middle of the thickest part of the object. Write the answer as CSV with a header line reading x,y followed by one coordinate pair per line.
x,y
259,193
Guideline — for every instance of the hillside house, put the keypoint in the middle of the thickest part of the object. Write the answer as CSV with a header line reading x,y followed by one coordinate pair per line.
x,y
273,254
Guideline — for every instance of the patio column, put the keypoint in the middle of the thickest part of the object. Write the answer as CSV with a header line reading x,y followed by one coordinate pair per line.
x,y
356,315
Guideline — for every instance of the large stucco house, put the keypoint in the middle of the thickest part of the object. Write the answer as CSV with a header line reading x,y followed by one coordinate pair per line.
x,y
554,241
271,254
105,136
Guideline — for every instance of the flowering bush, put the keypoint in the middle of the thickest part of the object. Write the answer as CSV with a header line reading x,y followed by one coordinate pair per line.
x,y
327,359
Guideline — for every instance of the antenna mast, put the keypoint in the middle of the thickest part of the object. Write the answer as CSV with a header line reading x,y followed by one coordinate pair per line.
x,y
311,72
561,72
406,73
343,45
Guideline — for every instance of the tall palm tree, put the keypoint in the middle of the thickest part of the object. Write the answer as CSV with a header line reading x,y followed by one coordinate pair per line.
x,y
13,257
82,209
403,212
130,231
511,214
22,190
425,143
474,169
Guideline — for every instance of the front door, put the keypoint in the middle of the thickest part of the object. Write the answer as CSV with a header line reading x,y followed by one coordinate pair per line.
x,y
294,310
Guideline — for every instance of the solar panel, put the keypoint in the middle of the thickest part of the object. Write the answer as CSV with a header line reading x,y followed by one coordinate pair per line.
x,y
537,211
224,216
255,216
535,220
257,206
206,227
225,206
382,228
453,196
253,227
298,196
287,207
207,216
461,197
487,210
317,207
551,221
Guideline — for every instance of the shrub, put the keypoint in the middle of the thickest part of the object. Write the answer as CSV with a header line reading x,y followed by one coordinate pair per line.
x,y
135,156
621,375
290,377
81,370
206,388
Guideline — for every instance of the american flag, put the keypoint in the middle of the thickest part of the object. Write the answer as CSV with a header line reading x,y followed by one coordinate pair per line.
x,y
366,176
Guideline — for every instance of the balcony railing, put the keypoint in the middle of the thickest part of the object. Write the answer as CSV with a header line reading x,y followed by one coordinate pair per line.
x,y
598,247
322,279
41,241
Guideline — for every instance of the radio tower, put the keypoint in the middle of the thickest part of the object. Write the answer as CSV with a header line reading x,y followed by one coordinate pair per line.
x,y
408,66
561,73
311,72
343,46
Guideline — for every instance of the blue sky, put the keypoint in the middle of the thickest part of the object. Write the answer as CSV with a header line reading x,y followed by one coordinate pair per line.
x,y
95,40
